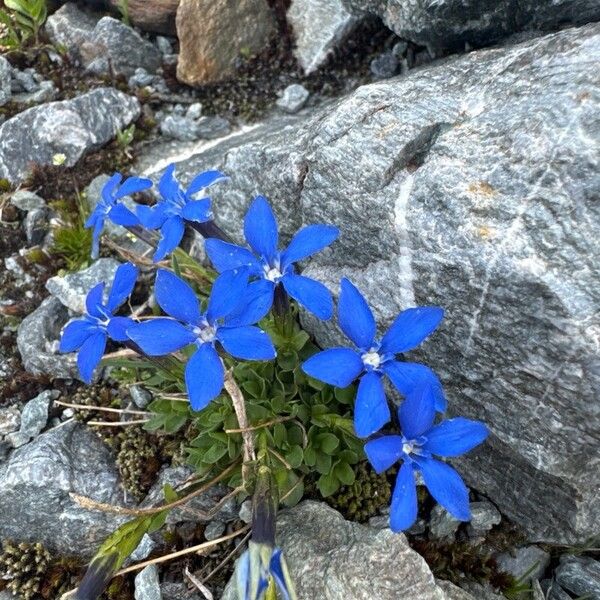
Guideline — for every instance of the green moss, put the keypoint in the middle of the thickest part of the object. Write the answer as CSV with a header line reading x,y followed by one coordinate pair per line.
x,y
23,567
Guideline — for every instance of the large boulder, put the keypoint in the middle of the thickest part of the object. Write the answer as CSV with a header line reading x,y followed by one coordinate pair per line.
x,y
214,34
452,23
5,78
70,127
473,185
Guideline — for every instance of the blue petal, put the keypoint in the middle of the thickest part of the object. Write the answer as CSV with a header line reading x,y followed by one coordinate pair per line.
x,y
383,452
250,343
168,186
204,180
227,293
123,283
93,301
109,189
410,328
203,376
455,436
172,232
257,302
90,355
446,486
152,217
280,572
132,185
260,229
97,232
307,241
75,333
197,210
407,376
157,337
176,297
335,366
355,317
225,256
121,215
403,510
94,216
242,573
371,410
117,328
311,294
417,412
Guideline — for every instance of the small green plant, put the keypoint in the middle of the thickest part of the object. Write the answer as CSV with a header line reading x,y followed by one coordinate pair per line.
x,y
72,241
123,8
22,20
125,138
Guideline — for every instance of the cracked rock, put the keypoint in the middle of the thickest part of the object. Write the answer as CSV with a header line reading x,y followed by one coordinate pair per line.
x,y
33,418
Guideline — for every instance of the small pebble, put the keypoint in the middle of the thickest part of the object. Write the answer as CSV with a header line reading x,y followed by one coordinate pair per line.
x,y
147,585
214,530
528,559
245,513
293,98
384,66
141,396
442,525
194,111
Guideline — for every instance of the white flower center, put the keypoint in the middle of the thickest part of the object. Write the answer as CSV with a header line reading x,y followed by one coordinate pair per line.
x,y
206,333
371,359
408,447
272,273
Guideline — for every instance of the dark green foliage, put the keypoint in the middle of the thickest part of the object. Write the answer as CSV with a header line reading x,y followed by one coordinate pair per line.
x,y
22,20
72,241
23,567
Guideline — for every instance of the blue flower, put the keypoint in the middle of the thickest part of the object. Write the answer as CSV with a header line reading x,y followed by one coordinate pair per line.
x,y
176,206
273,267
376,357
227,320
420,440
90,333
256,566
109,207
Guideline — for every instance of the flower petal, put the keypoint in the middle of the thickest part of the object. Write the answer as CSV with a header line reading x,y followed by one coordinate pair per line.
x,y
250,343
203,376
157,337
225,256
168,186
410,328
197,211
109,189
446,486
152,217
417,412
257,302
311,294
204,180
132,185
407,376
260,229
455,436
355,317
121,215
117,328
227,293
383,452
371,410
122,286
93,300
90,355
280,572
307,241
176,297
335,366
75,333
96,233
172,232
403,509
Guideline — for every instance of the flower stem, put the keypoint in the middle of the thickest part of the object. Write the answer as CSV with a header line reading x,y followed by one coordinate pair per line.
x,y
264,508
210,229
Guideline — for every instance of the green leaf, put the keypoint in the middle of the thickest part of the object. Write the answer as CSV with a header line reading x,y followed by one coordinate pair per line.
x,y
170,493
345,395
287,360
279,434
327,442
294,456
344,472
299,340
295,487
323,464
310,456
328,485
215,453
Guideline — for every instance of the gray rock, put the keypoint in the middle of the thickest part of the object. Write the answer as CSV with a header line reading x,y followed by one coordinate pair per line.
x,y
319,27
4,595
33,418
46,92
179,128
71,127
70,27
140,78
385,65
72,289
479,591
379,522
453,592
399,49
37,341
26,201
451,23
553,591
579,575
36,225
5,77
147,585
209,128
522,560
36,483
353,560
293,98
484,515
24,81
194,111
214,530
164,45
245,512
178,591
141,396
10,420
144,549
442,525
455,187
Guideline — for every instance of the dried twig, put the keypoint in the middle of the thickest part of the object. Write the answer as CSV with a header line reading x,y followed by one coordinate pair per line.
x,y
227,558
122,411
198,584
261,425
117,423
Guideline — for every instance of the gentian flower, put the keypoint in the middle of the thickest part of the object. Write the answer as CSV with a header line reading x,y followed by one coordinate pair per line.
x,y
227,320
376,357
273,267
109,207
255,566
176,206
90,333
419,441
